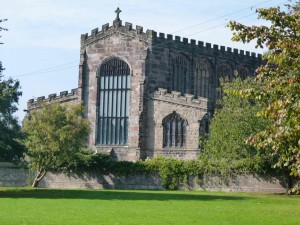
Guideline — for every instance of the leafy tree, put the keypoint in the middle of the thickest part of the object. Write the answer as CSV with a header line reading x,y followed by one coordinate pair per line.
x,y
54,135
2,28
280,79
234,121
10,132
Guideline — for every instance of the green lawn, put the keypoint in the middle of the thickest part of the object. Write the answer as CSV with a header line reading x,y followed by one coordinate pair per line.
x,y
52,206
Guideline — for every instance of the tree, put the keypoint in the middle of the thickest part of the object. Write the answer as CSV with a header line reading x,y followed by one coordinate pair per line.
x,y
10,130
279,93
54,135
2,28
234,121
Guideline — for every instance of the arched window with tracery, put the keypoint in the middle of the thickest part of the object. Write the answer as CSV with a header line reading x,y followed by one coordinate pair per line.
x,y
243,72
203,73
113,102
225,71
204,128
180,73
174,131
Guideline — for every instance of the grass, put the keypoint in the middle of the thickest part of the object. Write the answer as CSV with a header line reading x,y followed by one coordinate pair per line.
x,y
21,206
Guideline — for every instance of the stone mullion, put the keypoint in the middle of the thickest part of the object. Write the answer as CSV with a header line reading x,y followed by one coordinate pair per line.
x,y
173,122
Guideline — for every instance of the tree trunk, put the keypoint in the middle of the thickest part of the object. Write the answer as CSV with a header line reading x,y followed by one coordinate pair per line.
x,y
39,176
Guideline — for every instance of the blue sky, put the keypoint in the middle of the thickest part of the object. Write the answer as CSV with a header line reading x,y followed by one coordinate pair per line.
x,y
41,48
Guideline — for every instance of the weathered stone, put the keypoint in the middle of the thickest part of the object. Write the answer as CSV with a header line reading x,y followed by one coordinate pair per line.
x,y
153,61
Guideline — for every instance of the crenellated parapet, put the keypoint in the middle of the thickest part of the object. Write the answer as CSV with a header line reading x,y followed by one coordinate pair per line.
x,y
117,27
157,40
175,97
162,39
64,97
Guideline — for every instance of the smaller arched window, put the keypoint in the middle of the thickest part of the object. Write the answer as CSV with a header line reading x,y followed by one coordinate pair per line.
x,y
174,127
204,128
203,75
180,74
243,72
225,71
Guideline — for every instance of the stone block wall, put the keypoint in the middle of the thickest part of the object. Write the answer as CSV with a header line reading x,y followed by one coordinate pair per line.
x,y
16,177
129,45
64,97
150,56
13,177
165,48
160,105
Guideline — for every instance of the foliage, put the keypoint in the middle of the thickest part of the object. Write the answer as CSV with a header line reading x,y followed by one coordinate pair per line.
x,y
87,161
280,79
173,172
234,121
54,134
10,132
2,28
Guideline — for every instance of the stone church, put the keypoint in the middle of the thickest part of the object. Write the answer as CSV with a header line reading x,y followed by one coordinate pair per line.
x,y
147,93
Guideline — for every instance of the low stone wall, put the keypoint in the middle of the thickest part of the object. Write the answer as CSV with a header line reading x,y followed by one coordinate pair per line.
x,y
17,177
13,177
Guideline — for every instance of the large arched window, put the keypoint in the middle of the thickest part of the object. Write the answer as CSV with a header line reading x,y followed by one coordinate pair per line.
x,y
203,75
174,127
113,102
179,78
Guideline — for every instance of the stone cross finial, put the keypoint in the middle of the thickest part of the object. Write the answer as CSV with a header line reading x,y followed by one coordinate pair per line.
x,y
118,11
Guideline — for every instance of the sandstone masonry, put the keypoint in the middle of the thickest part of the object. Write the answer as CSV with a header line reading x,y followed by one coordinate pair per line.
x,y
147,93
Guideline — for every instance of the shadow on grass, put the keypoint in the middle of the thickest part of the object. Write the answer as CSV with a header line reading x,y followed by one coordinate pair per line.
x,y
113,195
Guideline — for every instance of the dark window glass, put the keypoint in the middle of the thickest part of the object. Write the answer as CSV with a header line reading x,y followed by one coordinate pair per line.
x,y
174,131
113,103
179,78
203,75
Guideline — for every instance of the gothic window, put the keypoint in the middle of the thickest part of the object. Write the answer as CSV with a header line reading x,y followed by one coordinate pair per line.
x,y
174,131
203,75
204,128
113,102
204,124
179,78
243,72
225,71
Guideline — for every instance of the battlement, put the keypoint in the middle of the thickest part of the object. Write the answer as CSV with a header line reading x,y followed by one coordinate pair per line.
x,y
157,39
161,39
175,97
117,26
63,97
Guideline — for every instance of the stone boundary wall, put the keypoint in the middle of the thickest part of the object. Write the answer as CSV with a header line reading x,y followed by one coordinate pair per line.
x,y
17,177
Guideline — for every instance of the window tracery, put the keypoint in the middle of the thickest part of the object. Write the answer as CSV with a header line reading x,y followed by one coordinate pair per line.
x,y
203,73
174,131
179,78
113,103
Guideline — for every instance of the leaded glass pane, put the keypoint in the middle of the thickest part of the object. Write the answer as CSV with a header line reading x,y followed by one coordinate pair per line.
x,y
114,104
119,103
101,104
105,103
